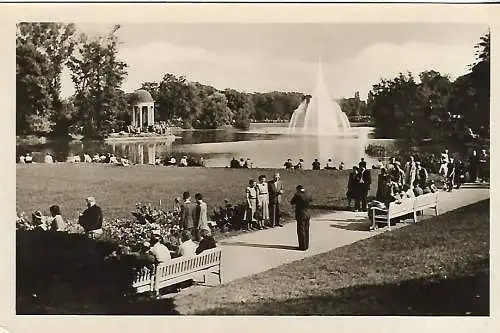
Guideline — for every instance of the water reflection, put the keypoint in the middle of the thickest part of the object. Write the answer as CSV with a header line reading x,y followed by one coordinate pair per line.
x,y
266,146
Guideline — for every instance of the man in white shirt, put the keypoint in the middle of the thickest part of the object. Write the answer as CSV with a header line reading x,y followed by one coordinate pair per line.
x,y
28,158
159,251
187,247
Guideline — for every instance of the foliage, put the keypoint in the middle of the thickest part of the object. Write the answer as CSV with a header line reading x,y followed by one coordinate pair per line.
x,y
353,107
98,75
42,49
72,274
436,108
215,112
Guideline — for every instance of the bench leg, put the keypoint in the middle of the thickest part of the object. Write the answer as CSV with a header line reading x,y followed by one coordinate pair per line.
x,y
388,224
414,216
436,209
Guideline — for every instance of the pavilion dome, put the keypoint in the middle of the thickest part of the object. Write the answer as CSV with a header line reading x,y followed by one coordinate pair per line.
x,y
143,96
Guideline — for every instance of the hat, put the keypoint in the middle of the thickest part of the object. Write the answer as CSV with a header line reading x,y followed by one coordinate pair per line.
x,y
146,244
37,214
300,188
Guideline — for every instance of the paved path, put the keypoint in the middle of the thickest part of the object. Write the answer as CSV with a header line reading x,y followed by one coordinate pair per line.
x,y
255,252
252,253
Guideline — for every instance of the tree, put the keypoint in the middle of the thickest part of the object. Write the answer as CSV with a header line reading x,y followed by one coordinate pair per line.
x,y
54,43
33,98
241,106
215,112
394,107
98,75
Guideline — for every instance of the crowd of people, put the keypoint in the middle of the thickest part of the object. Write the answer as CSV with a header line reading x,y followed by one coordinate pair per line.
x,y
110,158
397,182
241,163
316,165
194,234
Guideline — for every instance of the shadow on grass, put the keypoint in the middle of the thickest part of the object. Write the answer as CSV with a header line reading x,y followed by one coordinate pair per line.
x,y
461,296
267,246
330,207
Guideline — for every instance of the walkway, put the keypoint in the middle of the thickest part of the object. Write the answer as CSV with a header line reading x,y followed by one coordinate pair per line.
x,y
252,253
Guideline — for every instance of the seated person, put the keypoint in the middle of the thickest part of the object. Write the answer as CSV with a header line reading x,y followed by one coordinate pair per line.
x,y
38,221
183,162
113,159
417,190
407,192
28,159
56,223
87,158
22,159
433,186
426,189
124,161
329,165
172,161
288,164
76,159
160,252
48,158
187,248
96,158
316,165
207,241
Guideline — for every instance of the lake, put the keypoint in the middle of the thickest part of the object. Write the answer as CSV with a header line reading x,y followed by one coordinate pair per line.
x,y
267,145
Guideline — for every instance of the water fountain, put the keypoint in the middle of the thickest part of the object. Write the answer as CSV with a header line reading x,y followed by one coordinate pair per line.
x,y
319,114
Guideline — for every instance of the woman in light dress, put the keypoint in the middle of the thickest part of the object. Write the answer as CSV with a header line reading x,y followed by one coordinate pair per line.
x,y
263,201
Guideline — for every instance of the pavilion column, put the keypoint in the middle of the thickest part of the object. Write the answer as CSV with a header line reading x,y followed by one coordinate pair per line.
x,y
140,116
133,115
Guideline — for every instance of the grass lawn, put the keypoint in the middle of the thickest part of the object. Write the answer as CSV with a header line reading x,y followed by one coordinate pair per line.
x,y
437,267
118,189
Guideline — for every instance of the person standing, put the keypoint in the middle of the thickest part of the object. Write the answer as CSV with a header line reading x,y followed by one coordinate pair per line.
x,y
263,201
301,201
188,210
422,175
363,182
91,219
450,175
351,186
484,172
201,216
473,166
410,172
275,190
251,198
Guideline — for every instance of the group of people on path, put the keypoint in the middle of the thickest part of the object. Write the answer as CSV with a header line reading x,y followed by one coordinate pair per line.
x,y
263,203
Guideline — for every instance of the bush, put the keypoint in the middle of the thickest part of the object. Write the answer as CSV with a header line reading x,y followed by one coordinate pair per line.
x,y
57,272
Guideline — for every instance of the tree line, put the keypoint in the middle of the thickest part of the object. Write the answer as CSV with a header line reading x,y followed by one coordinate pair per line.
x,y
99,106
435,108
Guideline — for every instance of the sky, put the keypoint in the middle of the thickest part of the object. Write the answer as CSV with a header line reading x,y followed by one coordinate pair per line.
x,y
284,57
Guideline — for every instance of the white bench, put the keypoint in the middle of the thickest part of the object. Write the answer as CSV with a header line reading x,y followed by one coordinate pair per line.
x,y
179,270
404,207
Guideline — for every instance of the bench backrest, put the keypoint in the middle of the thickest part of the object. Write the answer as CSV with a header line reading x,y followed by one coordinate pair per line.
x,y
402,207
143,280
426,200
185,265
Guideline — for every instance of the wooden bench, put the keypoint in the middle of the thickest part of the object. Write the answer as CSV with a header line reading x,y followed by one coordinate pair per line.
x,y
405,207
426,201
179,270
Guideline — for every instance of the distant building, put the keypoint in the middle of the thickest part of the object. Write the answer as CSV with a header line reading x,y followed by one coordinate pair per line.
x,y
143,109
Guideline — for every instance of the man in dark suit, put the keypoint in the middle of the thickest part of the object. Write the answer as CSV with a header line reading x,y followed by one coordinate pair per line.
x,y
188,211
91,219
275,190
364,180
301,201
